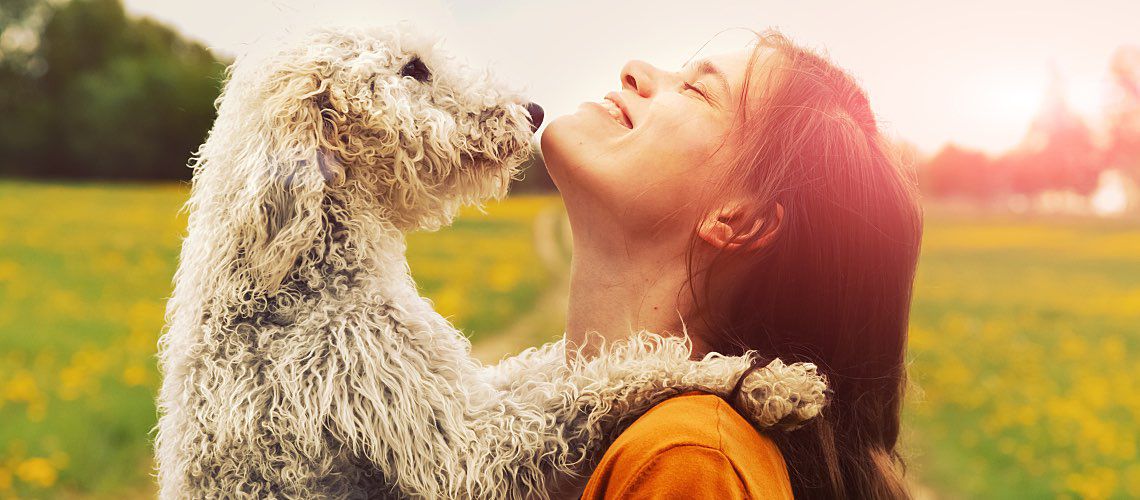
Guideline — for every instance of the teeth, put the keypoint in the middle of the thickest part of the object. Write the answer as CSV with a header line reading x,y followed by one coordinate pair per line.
x,y
613,110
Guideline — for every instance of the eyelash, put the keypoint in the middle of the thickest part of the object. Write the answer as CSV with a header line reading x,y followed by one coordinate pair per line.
x,y
694,88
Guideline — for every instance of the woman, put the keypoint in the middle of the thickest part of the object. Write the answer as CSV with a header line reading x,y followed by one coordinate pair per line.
x,y
750,201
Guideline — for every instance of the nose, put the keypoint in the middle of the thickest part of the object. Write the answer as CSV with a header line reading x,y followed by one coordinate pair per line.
x,y
640,77
535,115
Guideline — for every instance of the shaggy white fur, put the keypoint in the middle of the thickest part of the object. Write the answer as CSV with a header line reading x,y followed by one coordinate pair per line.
x,y
299,359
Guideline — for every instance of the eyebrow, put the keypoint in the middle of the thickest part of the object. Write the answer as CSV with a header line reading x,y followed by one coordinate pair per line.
x,y
705,67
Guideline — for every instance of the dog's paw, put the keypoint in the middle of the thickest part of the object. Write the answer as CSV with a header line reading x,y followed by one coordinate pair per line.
x,y
781,396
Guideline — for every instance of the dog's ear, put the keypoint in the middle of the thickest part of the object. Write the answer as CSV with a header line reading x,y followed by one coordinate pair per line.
x,y
292,210
263,176
290,214
331,169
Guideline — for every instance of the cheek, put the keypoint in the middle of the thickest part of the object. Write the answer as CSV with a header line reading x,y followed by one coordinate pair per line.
x,y
671,162
642,176
672,153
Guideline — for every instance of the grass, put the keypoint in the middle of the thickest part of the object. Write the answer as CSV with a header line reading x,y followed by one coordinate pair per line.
x,y
483,271
84,274
1022,351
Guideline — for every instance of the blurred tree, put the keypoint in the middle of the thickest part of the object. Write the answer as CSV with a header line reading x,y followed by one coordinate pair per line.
x,y
104,95
19,21
82,36
1124,112
959,172
1058,151
140,117
23,105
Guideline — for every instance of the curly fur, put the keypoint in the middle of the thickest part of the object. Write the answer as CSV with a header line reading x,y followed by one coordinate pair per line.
x,y
299,359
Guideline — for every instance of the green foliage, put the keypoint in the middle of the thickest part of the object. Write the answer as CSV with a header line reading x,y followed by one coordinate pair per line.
x,y
139,117
81,37
103,95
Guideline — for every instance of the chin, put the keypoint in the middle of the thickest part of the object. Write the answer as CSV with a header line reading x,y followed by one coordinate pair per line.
x,y
557,144
579,155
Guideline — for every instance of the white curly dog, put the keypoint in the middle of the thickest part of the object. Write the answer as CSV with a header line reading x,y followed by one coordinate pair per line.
x,y
300,361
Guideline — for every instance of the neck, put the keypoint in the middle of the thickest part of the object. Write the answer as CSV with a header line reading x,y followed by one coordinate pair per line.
x,y
618,293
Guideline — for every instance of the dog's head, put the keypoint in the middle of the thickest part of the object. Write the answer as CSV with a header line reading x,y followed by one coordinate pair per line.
x,y
364,126
385,114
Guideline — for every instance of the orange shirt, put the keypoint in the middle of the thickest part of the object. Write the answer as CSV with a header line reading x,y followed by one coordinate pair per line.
x,y
691,446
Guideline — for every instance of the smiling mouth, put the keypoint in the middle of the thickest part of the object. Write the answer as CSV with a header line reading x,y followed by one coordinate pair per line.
x,y
616,112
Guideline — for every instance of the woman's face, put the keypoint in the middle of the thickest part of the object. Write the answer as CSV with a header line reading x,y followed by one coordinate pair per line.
x,y
630,162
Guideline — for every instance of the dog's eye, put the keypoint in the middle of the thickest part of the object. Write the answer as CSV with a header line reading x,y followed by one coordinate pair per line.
x,y
416,69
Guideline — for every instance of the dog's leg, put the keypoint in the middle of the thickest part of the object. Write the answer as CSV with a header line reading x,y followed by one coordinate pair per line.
x,y
594,400
438,424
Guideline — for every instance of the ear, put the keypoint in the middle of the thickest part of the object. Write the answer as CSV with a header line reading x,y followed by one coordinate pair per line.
x,y
732,227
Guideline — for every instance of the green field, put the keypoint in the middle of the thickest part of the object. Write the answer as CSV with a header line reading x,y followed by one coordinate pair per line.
x,y
84,274
1022,348
1023,351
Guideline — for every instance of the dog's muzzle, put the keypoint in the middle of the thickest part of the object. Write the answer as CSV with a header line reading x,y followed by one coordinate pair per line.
x,y
536,115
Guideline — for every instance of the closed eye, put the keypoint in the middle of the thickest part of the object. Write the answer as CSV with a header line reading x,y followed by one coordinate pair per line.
x,y
694,88
722,91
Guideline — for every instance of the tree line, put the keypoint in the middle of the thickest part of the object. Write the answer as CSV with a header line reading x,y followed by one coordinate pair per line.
x,y
90,92
1060,151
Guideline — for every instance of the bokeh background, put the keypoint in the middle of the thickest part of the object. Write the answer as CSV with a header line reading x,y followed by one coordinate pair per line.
x,y
1022,119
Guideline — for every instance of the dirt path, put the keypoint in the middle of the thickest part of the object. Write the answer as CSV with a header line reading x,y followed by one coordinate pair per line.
x,y
546,320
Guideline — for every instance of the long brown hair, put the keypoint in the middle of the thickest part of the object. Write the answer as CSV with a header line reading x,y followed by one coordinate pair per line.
x,y
834,288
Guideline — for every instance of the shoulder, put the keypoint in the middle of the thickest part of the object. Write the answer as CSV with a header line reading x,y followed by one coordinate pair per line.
x,y
688,446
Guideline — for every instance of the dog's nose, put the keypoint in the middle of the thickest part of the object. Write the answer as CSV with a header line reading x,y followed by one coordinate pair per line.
x,y
535,115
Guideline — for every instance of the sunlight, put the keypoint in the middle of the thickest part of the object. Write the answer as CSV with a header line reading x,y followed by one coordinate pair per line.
x,y
1005,102
1087,97
1111,197
1014,97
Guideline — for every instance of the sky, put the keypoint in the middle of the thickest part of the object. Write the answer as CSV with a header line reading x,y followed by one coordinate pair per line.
x,y
964,71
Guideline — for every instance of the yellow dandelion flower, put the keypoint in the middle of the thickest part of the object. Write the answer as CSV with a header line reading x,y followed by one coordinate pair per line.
x,y
503,277
22,387
37,472
134,375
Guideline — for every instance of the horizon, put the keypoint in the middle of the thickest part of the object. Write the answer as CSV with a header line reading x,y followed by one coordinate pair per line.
x,y
978,88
